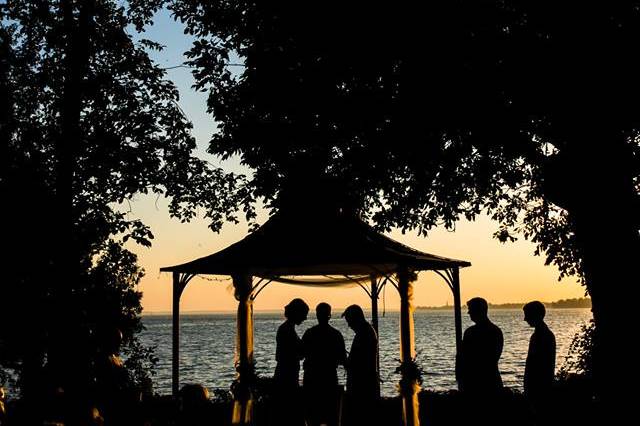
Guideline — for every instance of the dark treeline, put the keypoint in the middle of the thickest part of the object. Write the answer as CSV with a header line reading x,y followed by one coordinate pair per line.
x,y
87,121
583,302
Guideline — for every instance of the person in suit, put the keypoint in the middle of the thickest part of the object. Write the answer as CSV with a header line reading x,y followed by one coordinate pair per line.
x,y
363,384
324,351
482,344
541,358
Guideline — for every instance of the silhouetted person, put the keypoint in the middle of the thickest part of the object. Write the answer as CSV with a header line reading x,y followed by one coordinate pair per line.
x,y
289,352
482,343
3,411
116,399
194,405
323,351
363,385
541,359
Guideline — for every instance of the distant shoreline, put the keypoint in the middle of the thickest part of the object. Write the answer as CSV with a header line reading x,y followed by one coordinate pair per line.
x,y
580,303
164,313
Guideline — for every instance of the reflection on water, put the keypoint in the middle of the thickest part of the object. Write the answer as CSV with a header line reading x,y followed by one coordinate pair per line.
x,y
207,345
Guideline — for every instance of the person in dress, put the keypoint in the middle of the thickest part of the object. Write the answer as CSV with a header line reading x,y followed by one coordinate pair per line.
x,y
289,353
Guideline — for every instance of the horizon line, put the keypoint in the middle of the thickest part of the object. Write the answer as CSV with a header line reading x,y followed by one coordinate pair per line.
x,y
233,311
366,309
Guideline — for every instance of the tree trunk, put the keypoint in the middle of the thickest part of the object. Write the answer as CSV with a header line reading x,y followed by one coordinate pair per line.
x,y
593,180
608,252
68,339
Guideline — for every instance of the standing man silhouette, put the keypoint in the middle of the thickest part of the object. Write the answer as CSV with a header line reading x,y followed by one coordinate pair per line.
x,y
478,372
541,359
363,385
323,352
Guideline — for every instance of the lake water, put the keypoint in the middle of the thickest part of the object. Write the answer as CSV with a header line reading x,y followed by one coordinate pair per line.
x,y
207,345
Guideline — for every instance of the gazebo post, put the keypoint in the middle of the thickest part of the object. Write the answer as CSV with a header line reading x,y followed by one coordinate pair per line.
x,y
457,308
175,359
243,403
374,316
374,303
408,383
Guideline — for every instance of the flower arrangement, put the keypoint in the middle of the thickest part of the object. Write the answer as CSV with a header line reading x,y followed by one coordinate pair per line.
x,y
242,390
411,375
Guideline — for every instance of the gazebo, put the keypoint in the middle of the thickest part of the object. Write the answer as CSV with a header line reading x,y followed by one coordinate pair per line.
x,y
322,246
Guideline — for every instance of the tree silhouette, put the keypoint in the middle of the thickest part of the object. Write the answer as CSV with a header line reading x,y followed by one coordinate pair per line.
x,y
88,121
526,109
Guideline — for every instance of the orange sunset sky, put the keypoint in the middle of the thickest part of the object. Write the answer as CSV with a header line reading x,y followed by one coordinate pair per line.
x,y
499,272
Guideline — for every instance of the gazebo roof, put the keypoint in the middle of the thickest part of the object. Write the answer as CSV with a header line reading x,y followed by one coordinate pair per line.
x,y
320,239
325,243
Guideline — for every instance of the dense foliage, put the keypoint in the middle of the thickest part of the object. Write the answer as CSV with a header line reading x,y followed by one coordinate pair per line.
x,y
87,121
579,359
527,110
430,113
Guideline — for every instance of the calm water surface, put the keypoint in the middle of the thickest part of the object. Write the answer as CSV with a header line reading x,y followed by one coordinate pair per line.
x,y
207,345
